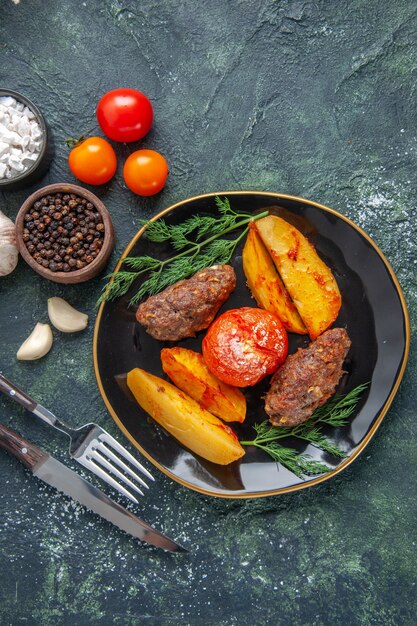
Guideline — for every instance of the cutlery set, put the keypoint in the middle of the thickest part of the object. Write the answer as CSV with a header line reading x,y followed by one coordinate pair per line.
x,y
94,449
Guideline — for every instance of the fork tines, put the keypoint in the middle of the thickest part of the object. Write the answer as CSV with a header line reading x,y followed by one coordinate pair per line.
x,y
103,457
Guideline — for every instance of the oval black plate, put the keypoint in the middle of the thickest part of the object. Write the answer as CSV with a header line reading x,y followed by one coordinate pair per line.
x,y
373,311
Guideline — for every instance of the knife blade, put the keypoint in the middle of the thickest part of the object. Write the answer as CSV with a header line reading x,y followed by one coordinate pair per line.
x,y
57,475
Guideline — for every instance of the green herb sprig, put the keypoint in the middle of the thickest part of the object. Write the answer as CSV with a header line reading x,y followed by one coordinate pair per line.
x,y
334,413
199,242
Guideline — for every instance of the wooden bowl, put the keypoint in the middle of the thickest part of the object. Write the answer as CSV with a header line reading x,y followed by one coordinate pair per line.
x,y
74,276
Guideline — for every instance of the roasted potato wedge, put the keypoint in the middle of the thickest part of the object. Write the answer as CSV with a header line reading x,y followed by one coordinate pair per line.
x,y
188,371
266,286
184,418
309,281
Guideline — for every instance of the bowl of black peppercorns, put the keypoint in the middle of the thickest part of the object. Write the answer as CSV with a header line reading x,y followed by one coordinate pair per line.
x,y
65,233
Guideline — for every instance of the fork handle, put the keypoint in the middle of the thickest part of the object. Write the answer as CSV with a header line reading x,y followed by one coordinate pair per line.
x,y
21,448
14,392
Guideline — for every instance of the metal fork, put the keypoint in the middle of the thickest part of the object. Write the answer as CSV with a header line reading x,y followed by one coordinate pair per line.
x,y
90,445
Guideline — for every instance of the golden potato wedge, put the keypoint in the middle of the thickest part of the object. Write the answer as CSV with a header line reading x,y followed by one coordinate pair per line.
x,y
266,286
184,418
188,371
309,281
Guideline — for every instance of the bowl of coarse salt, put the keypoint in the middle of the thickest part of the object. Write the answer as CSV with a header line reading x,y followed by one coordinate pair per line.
x,y
24,141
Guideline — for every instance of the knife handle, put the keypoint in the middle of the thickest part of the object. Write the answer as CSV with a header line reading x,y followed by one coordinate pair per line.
x,y
11,390
21,448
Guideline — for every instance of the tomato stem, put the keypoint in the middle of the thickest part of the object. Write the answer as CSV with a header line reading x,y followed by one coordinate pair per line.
x,y
72,142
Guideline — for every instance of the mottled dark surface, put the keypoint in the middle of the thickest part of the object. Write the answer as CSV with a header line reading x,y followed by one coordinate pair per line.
x,y
308,98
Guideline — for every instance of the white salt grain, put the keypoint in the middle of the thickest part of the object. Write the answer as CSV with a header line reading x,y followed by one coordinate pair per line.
x,y
20,138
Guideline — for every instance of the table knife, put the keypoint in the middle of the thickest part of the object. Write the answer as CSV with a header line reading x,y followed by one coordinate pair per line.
x,y
54,473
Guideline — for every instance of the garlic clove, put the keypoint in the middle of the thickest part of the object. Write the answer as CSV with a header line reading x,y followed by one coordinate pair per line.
x,y
64,317
37,344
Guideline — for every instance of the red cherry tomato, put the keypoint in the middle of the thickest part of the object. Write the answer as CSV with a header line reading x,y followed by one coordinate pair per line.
x,y
145,172
125,114
93,161
242,346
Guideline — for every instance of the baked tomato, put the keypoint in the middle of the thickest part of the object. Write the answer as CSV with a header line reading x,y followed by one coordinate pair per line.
x,y
125,114
242,346
93,161
145,172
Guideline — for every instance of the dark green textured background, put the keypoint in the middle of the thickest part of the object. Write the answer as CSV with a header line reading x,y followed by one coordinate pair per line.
x,y
316,99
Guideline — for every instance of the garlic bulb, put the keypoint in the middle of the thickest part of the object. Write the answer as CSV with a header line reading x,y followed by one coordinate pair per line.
x,y
8,249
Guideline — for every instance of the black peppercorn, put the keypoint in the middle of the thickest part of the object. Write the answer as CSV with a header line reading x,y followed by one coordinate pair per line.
x,y
63,232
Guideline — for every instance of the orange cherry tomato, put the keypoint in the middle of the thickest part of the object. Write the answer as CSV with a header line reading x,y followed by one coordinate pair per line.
x,y
145,172
93,161
242,346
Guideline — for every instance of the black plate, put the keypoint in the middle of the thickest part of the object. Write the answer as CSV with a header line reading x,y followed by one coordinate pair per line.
x,y
373,311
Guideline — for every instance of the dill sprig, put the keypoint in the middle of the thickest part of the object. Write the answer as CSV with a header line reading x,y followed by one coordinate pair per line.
x,y
199,242
339,408
334,413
